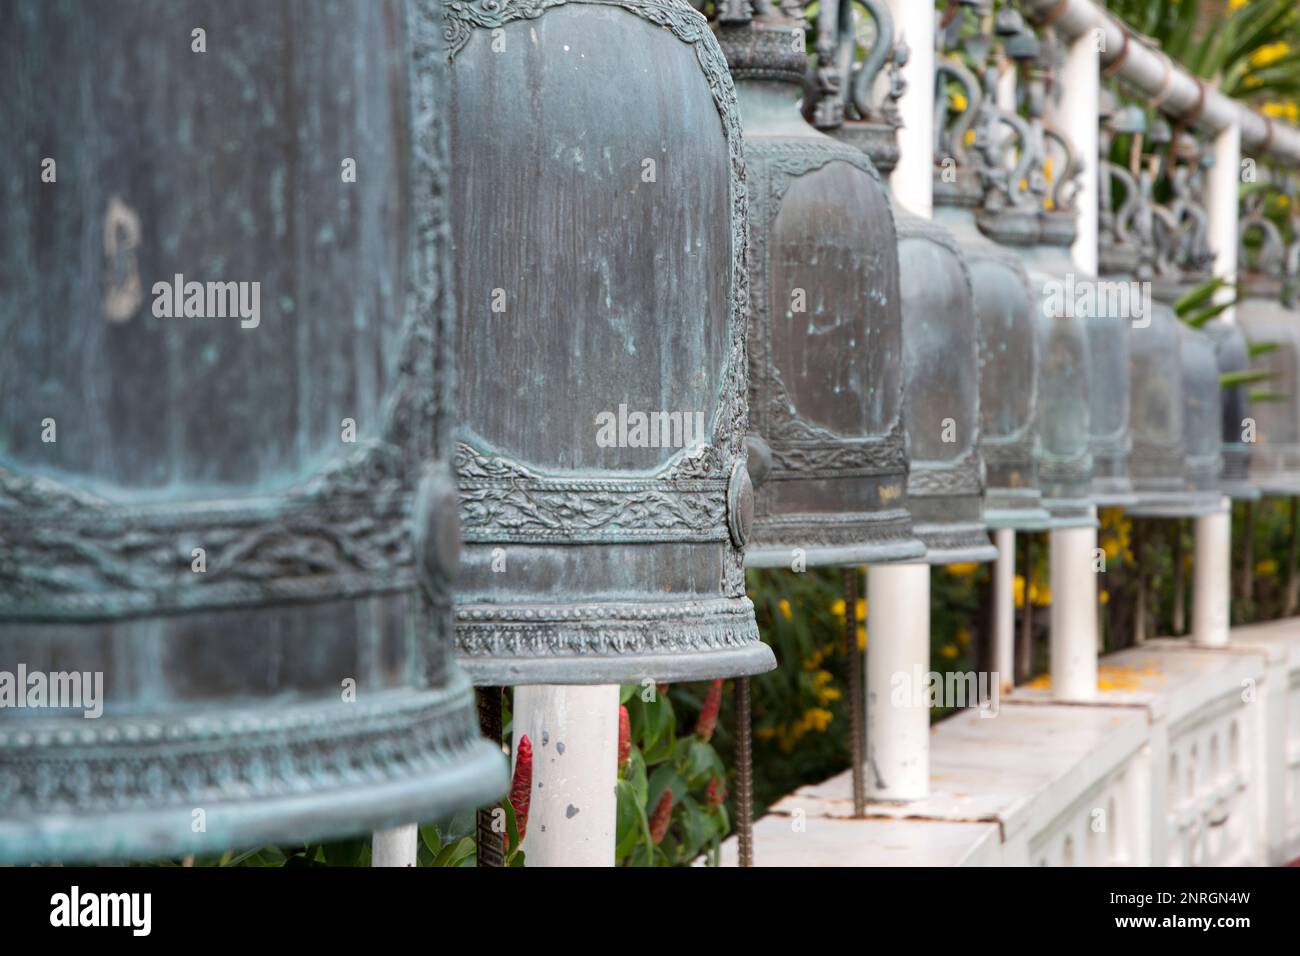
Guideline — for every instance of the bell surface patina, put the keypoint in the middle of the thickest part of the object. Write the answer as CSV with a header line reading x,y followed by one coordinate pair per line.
x,y
1062,416
973,186
1176,411
599,224
941,342
1259,280
827,450
229,510
1265,318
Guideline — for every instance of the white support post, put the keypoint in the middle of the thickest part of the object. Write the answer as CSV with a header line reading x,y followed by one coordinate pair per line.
x,y
898,662
395,847
1076,116
1213,576
574,735
1074,614
1004,609
912,179
1221,192
1212,598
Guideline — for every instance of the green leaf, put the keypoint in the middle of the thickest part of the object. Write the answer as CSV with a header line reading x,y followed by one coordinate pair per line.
x,y
1199,296
453,853
1233,379
1256,349
430,838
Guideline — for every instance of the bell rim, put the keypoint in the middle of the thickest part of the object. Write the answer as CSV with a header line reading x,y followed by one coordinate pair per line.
x,y
424,782
1187,504
1029,518
679,667
965,543
897,551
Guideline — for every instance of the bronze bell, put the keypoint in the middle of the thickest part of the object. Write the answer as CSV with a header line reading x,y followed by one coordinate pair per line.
x,y
974,192
1265,319
1175,411
227,519
599,232
941,334
827,450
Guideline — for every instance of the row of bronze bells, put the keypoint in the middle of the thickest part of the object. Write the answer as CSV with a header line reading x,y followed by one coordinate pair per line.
x,y
269,600
228,561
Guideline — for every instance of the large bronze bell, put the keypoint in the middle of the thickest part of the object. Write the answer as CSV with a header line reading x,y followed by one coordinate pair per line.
x,y
1175,411
225,493
974,188
1272,418
827,451
599,232
941,334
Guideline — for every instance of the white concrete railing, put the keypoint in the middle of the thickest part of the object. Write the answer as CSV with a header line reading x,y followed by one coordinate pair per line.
x,y
1189,756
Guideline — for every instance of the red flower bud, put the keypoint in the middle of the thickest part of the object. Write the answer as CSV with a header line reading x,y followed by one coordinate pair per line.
x,y
709,712
624,737
521,788
659,820
717,791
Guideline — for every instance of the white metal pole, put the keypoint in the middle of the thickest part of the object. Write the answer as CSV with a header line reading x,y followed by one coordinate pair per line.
x,y
1221,210
395,847
898,663
1074,613
1076,116
912,178
1004,609
1213,577
574,735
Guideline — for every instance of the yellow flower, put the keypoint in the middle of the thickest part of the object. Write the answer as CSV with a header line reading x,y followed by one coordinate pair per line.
x,y
959,102
862,637
949,651
969,138
784,607
1110,546
837,607
964,569
963,636
1269,53
860,609
1237,4
1290,111
1104,597
1020,590
1266,568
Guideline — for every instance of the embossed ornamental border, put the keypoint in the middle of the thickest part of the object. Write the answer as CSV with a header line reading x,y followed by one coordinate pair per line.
x,y
801,449
681,501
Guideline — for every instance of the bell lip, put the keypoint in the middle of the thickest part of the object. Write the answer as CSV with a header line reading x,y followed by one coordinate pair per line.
x,y
1241,490
1269,489
1017,519
968,542
754,658
1071,513
471,773
897,551
1185,504
1114,499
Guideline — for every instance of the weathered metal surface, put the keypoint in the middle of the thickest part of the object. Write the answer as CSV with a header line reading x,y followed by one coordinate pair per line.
x,y
1175,411
599,229
1275,454
1233,357
1202,417
941,335
185,510
825,341
970,190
